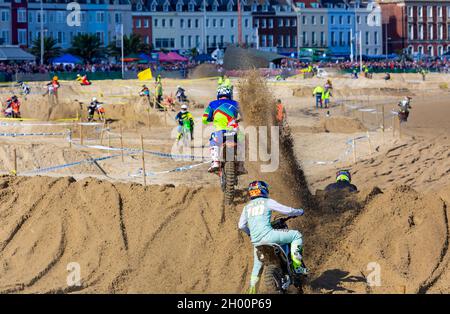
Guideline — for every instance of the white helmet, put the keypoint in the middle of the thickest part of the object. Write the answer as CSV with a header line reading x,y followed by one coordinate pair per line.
x,y
178,86
184,107
94,99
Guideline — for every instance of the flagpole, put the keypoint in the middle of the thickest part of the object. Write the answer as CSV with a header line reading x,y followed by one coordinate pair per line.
x,y
42,34
121,45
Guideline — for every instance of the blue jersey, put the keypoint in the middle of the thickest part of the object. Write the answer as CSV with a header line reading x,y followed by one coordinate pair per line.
x,y
255,218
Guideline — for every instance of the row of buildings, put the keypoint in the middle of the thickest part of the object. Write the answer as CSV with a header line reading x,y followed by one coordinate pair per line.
x,y
345,27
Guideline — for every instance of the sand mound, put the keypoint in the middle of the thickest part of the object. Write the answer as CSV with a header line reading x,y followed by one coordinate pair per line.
x,y
403,231
341,125
356,91
203,70
126,238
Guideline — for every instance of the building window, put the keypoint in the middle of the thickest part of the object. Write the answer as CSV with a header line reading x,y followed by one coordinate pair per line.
x,y
420,11
191,7
332,20
101,37
138,23
322,20
410,11
441,32
146,23
179,7
270,23
367,38
100,17
164,43
170,22
313,20
189,41
439,11
430,11
304,20
263,23
232,39
163,23
22,36
341,39
421,31
286,23
214,23
358,19
440,50
322,39
5,16
269,40
375,38
166,7
61,38
118,18
189,24
313,38
196,23
181,23
349,20
232,22
411,31
59,17
430,31
156,23
263,41
280,22
341,20
333,40
420,50
22,16
246,23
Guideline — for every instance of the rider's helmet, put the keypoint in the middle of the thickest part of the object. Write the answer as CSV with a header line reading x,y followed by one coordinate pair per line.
x,y
343,175
178,86
258,189
55,78
14,98
184,107
94,99
223,91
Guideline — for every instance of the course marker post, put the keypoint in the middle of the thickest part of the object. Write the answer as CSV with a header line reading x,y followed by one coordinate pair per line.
x,y
15,161
370,143
81,133
121,140
143,160
354,150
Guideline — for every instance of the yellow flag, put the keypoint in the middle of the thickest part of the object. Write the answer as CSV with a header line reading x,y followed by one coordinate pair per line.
x,y
145,75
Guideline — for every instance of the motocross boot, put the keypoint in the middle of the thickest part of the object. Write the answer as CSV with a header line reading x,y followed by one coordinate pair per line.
x,y
298,263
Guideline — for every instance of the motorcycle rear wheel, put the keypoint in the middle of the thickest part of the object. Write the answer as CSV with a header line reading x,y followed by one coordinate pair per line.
x,y
272,279
229,181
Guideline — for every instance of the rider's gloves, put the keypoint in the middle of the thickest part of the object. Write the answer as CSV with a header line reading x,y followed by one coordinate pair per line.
x,y
298,212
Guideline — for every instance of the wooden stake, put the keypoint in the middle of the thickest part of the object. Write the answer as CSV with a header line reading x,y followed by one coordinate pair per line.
x,y
354,150
370,142
143,161
393,126
70,138
81,133
15,161
101,134
121,141
165,116
399,129
109,142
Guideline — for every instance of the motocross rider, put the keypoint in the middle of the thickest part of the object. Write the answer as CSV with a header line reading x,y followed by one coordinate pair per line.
x,y
405,105
255,222
95,106
181,117
224,114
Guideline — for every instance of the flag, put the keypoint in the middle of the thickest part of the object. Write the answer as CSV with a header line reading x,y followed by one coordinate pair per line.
x,y
145,75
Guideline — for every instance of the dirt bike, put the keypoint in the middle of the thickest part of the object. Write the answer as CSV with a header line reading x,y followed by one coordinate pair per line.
x,y
228,166
403,116
186,132
279,272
